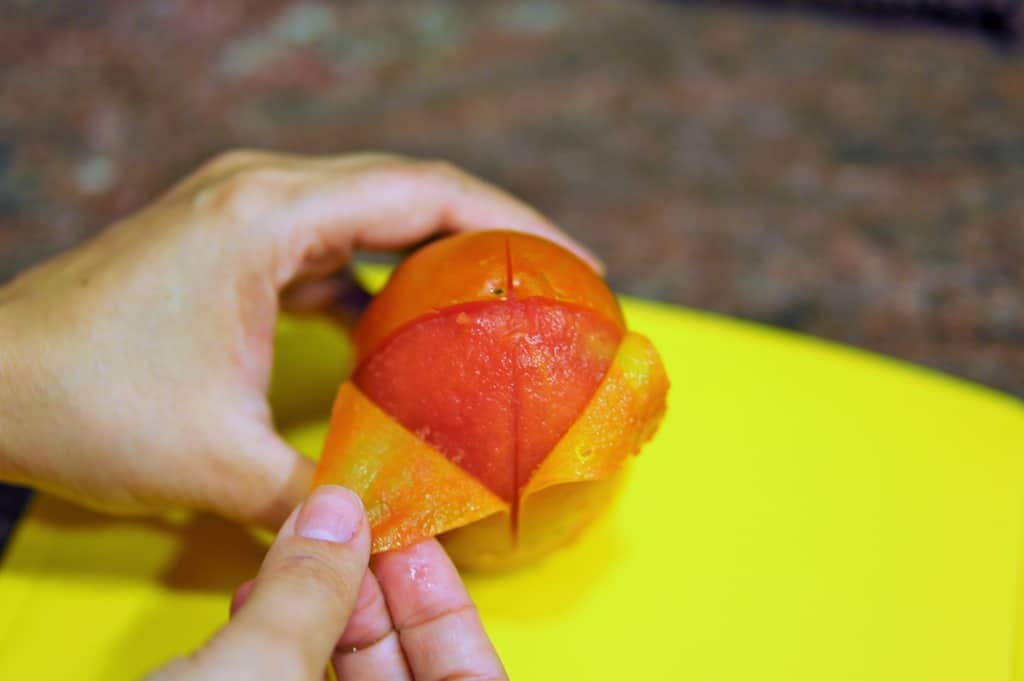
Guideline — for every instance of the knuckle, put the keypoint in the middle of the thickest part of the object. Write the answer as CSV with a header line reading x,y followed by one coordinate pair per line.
x,y
431,171
430,616
249,191
316,570
381,158
258,180
388,167
231,159
449,177
442,168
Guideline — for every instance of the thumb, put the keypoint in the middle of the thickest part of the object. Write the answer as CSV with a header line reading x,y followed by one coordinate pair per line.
x,y
302,597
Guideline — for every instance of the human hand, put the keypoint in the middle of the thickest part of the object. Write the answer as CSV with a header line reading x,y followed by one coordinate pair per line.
x,y
313,603
134,369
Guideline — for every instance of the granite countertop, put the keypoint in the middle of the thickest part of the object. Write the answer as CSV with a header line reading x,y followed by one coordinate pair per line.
x,y
855,182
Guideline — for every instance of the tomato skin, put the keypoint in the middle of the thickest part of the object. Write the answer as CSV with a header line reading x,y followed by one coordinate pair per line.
x,y
397,475
481,266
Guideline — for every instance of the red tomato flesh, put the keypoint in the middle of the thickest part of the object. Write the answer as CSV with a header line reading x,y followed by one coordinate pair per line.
x,y
493,385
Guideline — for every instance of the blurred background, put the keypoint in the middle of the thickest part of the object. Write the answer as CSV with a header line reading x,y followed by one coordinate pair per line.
x,y
849,170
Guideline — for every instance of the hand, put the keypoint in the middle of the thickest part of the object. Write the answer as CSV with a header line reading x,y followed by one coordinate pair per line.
x,y
314,603
133,370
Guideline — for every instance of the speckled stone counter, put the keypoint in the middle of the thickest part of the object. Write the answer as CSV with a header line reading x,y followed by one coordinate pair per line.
x,y
859,183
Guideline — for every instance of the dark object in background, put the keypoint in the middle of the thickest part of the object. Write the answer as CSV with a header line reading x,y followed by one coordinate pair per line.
x,y
13,500
997,19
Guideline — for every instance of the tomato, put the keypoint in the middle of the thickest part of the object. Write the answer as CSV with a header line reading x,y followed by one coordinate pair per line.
x,y
494,370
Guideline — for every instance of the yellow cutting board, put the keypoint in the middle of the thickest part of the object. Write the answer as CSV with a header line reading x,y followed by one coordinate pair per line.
x,y
806,513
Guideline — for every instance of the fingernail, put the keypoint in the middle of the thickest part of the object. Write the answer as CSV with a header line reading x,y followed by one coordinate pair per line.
x,y
331,513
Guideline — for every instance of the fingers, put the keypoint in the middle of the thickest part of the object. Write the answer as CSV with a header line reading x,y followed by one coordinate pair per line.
x,y
401,202
370,647
320,211
437,623
296,610
434,624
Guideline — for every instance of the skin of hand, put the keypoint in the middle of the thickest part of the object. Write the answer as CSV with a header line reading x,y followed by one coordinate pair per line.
x,y
134,369
313,603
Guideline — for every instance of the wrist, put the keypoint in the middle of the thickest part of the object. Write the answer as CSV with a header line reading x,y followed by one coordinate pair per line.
x,y
21,390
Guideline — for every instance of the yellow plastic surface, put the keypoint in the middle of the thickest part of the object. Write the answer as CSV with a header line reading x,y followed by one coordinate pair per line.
x,y
806,513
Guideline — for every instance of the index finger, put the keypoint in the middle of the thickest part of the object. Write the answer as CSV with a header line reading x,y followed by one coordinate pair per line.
x,y
436,621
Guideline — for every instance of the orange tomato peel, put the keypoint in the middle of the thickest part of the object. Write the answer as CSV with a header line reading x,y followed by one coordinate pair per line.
x,y
410,490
